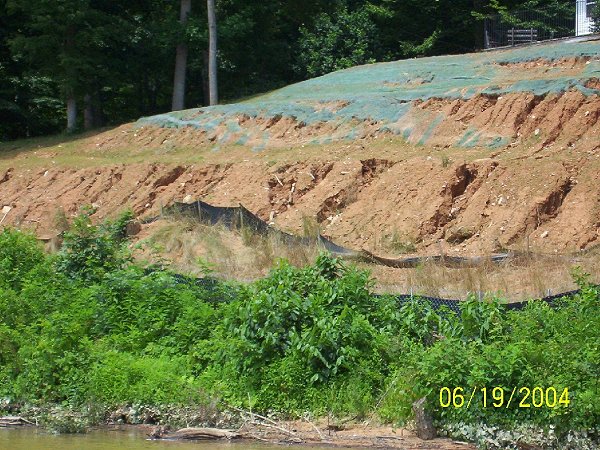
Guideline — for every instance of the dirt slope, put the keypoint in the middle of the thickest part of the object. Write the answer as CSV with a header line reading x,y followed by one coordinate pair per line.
x,y
467,155
475,207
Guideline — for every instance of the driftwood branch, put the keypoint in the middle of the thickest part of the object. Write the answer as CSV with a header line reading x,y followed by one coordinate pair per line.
x,y
14,421
253,414
263,422
203,434
315,427
275,427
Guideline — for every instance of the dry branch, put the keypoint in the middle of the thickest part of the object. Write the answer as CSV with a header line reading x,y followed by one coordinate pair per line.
x,y
204,434
14,421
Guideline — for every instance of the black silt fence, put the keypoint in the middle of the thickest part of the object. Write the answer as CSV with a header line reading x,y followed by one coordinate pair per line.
x,y
220,293
238,216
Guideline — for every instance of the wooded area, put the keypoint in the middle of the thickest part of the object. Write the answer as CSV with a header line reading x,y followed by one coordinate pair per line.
x,y
115,61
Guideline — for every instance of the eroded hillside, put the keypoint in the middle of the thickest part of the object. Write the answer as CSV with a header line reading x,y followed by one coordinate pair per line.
x,y
467,154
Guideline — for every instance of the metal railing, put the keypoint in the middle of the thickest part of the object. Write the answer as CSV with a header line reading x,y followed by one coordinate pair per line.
x,y
527,26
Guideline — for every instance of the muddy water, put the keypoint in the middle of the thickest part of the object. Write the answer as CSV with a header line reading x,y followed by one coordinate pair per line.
x,y
108,439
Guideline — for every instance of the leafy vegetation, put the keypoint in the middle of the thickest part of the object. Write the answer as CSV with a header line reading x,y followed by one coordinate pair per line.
x,y
116,59
345,40
101,329
595,16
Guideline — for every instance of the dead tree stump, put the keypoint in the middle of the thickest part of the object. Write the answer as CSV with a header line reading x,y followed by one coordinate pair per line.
x,y
423,421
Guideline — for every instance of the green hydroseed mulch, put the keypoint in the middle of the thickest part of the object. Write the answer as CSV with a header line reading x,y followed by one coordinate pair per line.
x,y
383,94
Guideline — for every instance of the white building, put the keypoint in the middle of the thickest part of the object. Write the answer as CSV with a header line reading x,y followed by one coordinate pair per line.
x,y
583,18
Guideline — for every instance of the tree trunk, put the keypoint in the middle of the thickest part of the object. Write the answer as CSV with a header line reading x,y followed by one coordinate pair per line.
x,y
212,52
423,421
205,88
92,112
71,113
97,109
88,112
479,40
178,102
71,83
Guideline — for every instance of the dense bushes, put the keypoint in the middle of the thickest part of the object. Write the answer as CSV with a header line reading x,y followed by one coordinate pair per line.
x,y
87,325
19,254
89,251
289,337
338,41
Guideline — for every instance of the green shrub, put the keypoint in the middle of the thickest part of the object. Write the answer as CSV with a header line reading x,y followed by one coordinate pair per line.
x,y
89,251
125,378
298,331
20,252
337,41
537,347
53,360
94,327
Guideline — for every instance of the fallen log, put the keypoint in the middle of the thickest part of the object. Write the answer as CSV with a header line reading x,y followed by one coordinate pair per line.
x,y
14,421
202,434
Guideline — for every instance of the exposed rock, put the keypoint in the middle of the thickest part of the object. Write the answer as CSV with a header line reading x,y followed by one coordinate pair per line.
x,y
133,228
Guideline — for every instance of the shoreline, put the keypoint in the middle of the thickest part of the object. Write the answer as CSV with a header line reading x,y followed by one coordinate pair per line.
x,y
166,422
195,423
304,435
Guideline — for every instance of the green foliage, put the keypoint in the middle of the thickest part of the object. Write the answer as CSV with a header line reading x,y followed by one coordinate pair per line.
x,y
337,41
89,251
118,377
481,320
421,323
306,328
102,330
595,16
539,346
30,104
19,254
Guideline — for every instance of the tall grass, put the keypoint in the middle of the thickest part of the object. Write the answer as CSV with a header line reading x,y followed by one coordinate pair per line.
x,y
241,254
518,280
244,255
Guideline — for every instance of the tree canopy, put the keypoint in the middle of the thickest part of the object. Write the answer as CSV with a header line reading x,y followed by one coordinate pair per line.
x,y
117,58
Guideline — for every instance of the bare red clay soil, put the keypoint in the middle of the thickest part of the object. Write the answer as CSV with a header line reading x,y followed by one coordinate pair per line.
x,y
570,116
354,436
541,189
